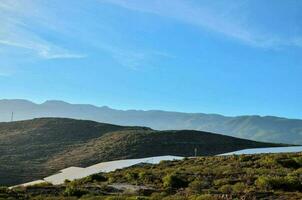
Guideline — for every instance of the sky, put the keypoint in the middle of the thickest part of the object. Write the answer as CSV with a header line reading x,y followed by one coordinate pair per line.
x,y
232,57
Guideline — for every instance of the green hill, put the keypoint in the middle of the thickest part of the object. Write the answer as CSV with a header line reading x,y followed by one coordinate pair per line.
x,y
259,128
36,148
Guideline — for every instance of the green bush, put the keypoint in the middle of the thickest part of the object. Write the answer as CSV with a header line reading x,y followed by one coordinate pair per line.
x,y
93,197
174,181
289,163
158,196
220,182
146,177
299,160
175,197
206,197
268,161
239,187
245,158
289,183
226,189
132,176
263,183
197,186
116,198
95,177
73,191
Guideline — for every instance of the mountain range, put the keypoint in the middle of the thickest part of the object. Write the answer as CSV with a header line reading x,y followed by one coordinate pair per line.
x,y
36,148
267,128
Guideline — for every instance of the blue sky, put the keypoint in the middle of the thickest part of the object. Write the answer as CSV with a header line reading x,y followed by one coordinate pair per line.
x,y
234,57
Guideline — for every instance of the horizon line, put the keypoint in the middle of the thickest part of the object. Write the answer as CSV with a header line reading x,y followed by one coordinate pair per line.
x,y
148,110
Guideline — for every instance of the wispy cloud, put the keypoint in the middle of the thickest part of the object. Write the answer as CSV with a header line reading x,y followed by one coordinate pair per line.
x,y
18,17
131,59
47,51
226,19
134,59
15,31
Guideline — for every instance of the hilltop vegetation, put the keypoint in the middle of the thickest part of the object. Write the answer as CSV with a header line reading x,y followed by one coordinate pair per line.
x,y
249,177
37,148
268,128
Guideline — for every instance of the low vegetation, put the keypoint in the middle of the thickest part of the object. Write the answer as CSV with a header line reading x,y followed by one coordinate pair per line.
x,y
266,176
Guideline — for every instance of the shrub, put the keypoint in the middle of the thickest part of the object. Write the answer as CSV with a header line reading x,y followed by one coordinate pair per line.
x,y
132,176
226,189
197,186
289,163
146,177
111,179
174,181
175,197
268,161
158,196
299,160
92,197
245,158
239,187
289,183
73,191
95,177
292,183
116,198
263,183
297,173
206,197
220,182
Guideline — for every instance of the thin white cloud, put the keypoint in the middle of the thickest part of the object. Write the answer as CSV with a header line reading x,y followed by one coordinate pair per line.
x,y
227,19
46,51
15,31
132,58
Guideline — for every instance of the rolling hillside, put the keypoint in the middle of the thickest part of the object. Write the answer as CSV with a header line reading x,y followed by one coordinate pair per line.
x,y
36,148
267,129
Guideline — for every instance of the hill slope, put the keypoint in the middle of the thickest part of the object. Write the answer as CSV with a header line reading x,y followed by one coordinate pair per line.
x,y
36,148
269,129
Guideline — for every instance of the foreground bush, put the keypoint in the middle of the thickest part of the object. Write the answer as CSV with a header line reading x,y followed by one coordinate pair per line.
x,y
174,181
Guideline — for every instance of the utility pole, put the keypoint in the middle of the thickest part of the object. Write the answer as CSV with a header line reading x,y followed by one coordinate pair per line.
x,y
12,117
195,152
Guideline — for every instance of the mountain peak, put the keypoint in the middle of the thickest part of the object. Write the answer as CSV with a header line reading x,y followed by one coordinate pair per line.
x,y
55,102
16,101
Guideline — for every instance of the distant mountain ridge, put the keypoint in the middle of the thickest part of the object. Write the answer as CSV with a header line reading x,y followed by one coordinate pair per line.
x,y
36,148
268,129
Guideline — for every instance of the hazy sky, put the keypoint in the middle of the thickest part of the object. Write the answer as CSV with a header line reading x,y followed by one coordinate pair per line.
x,y
229,57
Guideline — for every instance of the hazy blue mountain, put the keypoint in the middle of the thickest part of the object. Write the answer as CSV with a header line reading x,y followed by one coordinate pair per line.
x,y
268,128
